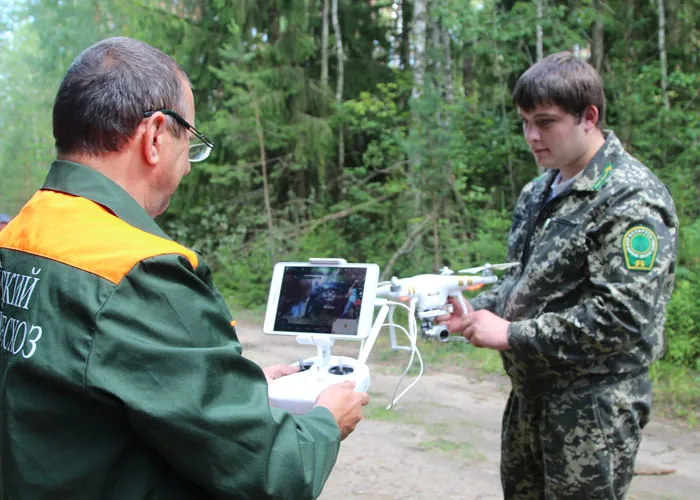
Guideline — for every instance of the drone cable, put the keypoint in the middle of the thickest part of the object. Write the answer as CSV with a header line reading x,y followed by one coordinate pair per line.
x,y
395,399
412,326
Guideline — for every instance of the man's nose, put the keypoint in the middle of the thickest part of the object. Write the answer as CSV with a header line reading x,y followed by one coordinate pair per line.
x,y
532,134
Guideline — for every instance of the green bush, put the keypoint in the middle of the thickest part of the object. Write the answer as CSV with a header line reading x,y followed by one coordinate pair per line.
x,y
683,314
683,326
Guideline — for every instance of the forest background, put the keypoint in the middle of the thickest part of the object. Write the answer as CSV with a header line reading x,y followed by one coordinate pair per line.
x,y
374,130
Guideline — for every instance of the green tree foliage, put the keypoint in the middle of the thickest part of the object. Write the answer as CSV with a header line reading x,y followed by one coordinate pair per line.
x,y
425,182
26,138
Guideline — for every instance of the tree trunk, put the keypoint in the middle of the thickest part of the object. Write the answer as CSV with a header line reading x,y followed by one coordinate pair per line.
x,y
435,38
339,82
406,19
395,55
597,36
629,57
506,133
30,187
436,236
662,55
420,22
273,20
324,47
540,49
449,81
266,191
468,73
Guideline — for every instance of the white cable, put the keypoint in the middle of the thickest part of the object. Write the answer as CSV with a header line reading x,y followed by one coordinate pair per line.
x,y
394,398
413,339
412,326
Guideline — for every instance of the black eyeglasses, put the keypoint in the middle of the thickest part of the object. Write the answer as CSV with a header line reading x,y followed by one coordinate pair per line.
x,y
199,151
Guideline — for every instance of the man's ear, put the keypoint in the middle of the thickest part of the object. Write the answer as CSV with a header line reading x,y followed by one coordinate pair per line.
x,y
590,117
153,137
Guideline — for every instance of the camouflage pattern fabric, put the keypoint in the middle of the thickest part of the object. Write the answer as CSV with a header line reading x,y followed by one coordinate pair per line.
x,y
587,310
579,444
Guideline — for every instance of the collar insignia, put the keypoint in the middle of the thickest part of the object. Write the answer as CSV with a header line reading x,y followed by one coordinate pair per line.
x,y
603,176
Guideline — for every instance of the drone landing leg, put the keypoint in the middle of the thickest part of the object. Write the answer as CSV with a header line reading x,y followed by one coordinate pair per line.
x,y
378,323
392,331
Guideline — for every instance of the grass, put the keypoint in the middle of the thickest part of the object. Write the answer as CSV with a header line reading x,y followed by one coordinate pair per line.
x,y
437,356
452,446
676,393
378,412
464,450
436,431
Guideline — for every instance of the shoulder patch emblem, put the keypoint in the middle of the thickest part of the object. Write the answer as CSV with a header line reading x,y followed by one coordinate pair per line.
x,y
639,246
603,176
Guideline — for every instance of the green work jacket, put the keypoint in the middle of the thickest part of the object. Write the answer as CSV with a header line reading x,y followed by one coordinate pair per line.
x,y
121,375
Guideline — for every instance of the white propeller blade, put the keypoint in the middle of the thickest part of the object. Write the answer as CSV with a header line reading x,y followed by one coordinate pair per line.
x,y
496,267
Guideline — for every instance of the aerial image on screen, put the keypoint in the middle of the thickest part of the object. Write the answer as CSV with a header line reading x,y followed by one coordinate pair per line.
x,y
320,300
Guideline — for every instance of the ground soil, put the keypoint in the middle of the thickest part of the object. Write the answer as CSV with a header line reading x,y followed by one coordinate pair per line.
x,y
441,441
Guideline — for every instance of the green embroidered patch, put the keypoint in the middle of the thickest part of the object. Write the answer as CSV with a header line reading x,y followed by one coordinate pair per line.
x,y
639,246
603,176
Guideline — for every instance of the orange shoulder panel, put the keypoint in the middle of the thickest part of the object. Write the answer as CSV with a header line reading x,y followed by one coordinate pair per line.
x,y
82,234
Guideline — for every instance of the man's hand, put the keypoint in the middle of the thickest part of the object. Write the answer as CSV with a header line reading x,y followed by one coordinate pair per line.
x,y
481,328
277,371
345,404
454,319
484,329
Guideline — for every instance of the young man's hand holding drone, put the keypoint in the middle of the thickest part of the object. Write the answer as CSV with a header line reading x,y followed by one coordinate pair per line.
x,y
481,328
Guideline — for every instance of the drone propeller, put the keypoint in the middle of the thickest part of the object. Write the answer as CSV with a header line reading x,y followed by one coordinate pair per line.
x,y
495,267
446,271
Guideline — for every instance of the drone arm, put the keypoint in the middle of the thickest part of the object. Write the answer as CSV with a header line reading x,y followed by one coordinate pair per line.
x,y
383,291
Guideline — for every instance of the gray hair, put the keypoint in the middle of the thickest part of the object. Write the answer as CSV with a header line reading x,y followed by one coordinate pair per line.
x,y
106,91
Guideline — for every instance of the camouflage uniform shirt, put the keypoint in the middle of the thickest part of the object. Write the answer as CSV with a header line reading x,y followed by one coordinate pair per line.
x,y
587,304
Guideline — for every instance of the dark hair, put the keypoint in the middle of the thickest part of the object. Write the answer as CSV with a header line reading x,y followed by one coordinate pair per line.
x,y
107,90
564,80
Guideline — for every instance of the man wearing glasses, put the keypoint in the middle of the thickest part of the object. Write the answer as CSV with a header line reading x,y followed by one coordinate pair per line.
x,y
121,375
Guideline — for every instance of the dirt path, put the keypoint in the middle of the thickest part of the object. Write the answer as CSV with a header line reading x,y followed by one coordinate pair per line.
x,y
442,439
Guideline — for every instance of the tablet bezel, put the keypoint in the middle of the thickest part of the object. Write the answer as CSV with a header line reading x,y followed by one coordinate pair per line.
x,y
366,308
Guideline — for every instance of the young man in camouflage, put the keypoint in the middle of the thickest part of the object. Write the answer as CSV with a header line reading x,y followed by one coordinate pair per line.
x,y
581,319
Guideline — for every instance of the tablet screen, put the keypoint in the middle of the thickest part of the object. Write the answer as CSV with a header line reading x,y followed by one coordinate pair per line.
x,y
324,299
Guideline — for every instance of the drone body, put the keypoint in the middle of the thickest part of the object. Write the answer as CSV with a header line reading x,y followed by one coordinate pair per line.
x,y
428,293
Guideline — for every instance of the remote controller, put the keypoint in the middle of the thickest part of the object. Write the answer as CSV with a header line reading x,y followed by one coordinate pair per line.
x,y
298,392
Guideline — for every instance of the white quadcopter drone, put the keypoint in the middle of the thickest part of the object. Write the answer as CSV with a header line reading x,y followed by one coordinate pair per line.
x,y
426,294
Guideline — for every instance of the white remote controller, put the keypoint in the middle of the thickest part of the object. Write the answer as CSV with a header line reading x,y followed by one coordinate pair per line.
x,y
297,392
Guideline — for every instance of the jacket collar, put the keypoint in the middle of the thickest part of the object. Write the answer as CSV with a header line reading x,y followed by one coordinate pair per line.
x,y
591,177
601,165
79,180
